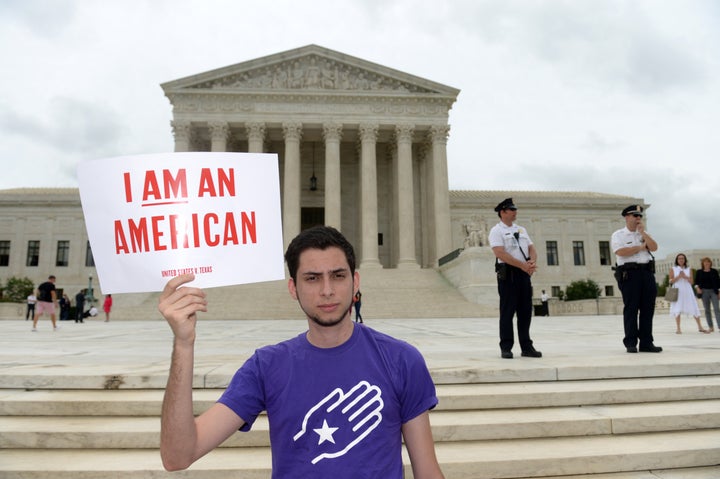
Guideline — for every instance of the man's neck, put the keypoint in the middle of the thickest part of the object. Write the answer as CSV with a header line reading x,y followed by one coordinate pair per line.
x,y
330,336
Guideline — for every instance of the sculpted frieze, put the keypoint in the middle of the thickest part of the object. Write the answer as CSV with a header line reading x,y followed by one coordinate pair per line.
x,y
311,72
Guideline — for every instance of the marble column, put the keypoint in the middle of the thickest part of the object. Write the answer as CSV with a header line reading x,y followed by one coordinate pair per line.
x,y
219,133
182,131
438,136
405,198
256,136
332,133
368,196
291,187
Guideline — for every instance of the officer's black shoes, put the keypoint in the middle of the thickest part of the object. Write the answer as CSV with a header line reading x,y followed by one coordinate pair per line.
x,y
650,349
531,353
506,354
631,349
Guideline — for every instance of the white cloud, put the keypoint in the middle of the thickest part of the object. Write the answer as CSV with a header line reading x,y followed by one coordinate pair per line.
x,y
618,96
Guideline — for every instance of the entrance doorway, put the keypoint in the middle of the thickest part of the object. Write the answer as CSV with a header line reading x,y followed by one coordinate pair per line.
x,y
310,217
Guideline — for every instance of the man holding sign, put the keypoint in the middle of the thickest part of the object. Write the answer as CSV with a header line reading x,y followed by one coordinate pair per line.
x,y
339,397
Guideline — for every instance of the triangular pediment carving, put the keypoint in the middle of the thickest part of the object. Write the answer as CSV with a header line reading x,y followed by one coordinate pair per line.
x,y
310,68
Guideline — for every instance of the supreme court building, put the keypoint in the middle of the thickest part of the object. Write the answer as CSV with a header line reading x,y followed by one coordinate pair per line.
x,y
361,147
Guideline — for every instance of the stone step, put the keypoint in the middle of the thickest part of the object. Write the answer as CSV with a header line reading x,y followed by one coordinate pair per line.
x,y
448,426
147,402
494,459
387,293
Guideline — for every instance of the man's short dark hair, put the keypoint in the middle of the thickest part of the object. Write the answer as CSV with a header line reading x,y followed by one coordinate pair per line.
x,y
317,237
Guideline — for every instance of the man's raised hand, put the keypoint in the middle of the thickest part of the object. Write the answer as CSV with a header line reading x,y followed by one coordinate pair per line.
x,y
179,306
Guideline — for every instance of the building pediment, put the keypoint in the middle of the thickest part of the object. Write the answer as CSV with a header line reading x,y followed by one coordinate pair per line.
x,y
310,68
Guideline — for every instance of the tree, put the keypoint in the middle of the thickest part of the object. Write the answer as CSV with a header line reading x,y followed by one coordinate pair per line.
x,y
18,289
583,289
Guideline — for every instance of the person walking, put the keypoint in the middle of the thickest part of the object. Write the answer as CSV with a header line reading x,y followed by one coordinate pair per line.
x,y
47,299
357,301
31,300
107,306
707,285
680,278
515,263
544,302
635,274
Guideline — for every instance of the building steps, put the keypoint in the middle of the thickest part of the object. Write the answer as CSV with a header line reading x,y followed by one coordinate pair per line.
x,y
387,293
502,429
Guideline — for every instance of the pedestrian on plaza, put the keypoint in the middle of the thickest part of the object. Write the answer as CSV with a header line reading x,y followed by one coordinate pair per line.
x,y
31,300
47,299
680,277
707,285
107,306
635,274
339,397
64,307
357,301
544,301
515,263
80,306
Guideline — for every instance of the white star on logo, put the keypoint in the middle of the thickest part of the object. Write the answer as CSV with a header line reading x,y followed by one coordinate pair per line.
x,y
325,433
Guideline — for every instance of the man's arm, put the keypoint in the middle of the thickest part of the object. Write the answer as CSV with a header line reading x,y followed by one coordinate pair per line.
x,y
421,448
183,438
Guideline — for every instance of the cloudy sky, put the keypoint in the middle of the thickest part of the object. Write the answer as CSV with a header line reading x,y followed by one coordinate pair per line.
x,y
610,96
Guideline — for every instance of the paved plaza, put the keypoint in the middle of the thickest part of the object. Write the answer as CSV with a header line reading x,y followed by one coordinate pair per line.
x,y
454,348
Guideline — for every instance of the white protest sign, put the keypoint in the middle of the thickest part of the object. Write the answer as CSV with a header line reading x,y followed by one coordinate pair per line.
x,y
153,217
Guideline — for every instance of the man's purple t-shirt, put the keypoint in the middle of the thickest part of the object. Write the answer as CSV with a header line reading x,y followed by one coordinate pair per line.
x,y
334,412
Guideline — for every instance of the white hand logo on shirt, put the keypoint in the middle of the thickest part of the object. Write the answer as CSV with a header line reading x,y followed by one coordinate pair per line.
x,y
360,408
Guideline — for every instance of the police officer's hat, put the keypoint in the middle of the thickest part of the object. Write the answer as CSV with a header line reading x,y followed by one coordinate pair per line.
x,y
506,204
633,210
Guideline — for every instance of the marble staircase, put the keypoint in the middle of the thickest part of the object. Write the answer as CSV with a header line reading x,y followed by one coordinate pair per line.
x,y
387,293
601,420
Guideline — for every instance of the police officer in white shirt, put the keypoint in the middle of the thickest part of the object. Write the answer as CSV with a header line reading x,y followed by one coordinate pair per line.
x,y
635,274
515,262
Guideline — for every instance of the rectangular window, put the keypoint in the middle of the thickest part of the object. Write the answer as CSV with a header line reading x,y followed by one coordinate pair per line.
x,y
555,291
552,253
33,253
89,260
578,253
605,258
63,253
4,253
609,291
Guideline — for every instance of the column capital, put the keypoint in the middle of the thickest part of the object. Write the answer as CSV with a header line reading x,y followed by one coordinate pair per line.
x,y
368,131
439,133
182,130
404,132
219,130
292,130
332,131
255,130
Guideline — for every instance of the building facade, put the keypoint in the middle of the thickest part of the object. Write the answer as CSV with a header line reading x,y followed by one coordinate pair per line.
x,y
361,147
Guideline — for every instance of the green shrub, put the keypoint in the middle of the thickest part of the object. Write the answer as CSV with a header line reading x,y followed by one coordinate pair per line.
x,y
18,289
583,289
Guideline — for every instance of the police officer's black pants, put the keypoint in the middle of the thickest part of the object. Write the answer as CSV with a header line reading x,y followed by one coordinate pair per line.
x,y
515,297
639,291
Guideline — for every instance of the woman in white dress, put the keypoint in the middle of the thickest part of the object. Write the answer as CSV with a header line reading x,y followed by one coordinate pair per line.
x,y
681,278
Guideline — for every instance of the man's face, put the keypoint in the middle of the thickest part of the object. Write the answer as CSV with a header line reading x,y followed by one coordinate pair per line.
x,y
508,216
632,221
324,287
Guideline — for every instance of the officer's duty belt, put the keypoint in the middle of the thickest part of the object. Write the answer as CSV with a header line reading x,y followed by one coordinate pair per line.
x,y
629,266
